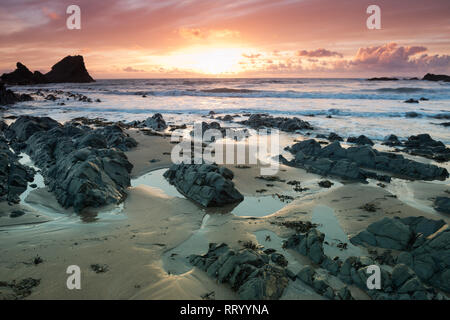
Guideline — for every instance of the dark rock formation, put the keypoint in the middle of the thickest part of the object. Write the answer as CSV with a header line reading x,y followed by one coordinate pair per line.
x,y
382,79
14,177
9,97
392,141
436,77
69,69
249,272
207,184
411,101
257,121
423,145
361,140
156,122
350,163
23,76
83,167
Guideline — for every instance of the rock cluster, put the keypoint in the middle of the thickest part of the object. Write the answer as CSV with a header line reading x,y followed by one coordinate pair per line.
x,y
207,184
351,163
426,263
83,167
258,120
423,145
14,177
155,122
9,97
69,69
425,244
249,272
436,77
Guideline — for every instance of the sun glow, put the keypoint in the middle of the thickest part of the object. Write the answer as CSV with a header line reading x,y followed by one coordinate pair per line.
x,y
211,61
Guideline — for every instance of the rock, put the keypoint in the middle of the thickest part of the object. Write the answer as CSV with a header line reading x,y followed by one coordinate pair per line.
x,y
436,77
25,126
14,177
17,213
423,145
83,167
333,160
257,121
382,79
325,183
156,122
411,114
22,76
361,140
400,274
334,137
392,140
309,244
246,271
9,97
69,69
279,259
206,184
386,233
442,204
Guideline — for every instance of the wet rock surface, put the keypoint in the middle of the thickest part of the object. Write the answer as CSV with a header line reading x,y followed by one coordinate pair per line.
x,y
83,167
423,145
425,246
14,177
361,140
442,204
249,272
257,121
206,184
9,97
417,274
351,163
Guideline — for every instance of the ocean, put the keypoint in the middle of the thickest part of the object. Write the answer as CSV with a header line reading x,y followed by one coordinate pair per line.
x,y
356,106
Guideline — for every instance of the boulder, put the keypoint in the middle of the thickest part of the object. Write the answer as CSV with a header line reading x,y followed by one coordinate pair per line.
x,y
156,122
442,204
258,120
9,97
206,184
361,140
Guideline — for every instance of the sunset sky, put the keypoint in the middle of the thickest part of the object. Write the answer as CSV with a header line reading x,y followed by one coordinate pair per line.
x,y
245,38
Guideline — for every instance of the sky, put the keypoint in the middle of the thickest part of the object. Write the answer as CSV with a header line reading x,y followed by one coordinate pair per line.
x,y
227,38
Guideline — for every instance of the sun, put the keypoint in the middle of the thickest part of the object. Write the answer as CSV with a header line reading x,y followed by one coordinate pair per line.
x,y
208,61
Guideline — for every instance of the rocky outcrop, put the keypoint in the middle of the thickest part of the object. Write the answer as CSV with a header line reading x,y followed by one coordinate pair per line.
x,y
436,77
83,167
249,272
23,76
351,163
423,145
382,79
207,184
69,69
257,121
361,140
14,177
426,263
425,242
9,97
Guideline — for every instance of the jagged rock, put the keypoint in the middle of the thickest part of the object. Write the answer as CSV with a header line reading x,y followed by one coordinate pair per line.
x,y
25,126
206,184
82,166
361,140
350,163
392,140
156,122
309,244
442,204
247,271
436,77
334,137
423,145
69,69
23,76
14,177
259,120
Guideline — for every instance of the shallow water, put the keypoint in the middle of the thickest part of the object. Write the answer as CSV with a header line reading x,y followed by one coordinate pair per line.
x,y
329,225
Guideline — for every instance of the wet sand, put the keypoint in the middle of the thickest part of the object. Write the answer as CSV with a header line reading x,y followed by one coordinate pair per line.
x,y
138,242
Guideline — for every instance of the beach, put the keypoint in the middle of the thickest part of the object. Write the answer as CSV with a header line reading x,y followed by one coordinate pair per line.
x,y
139,240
